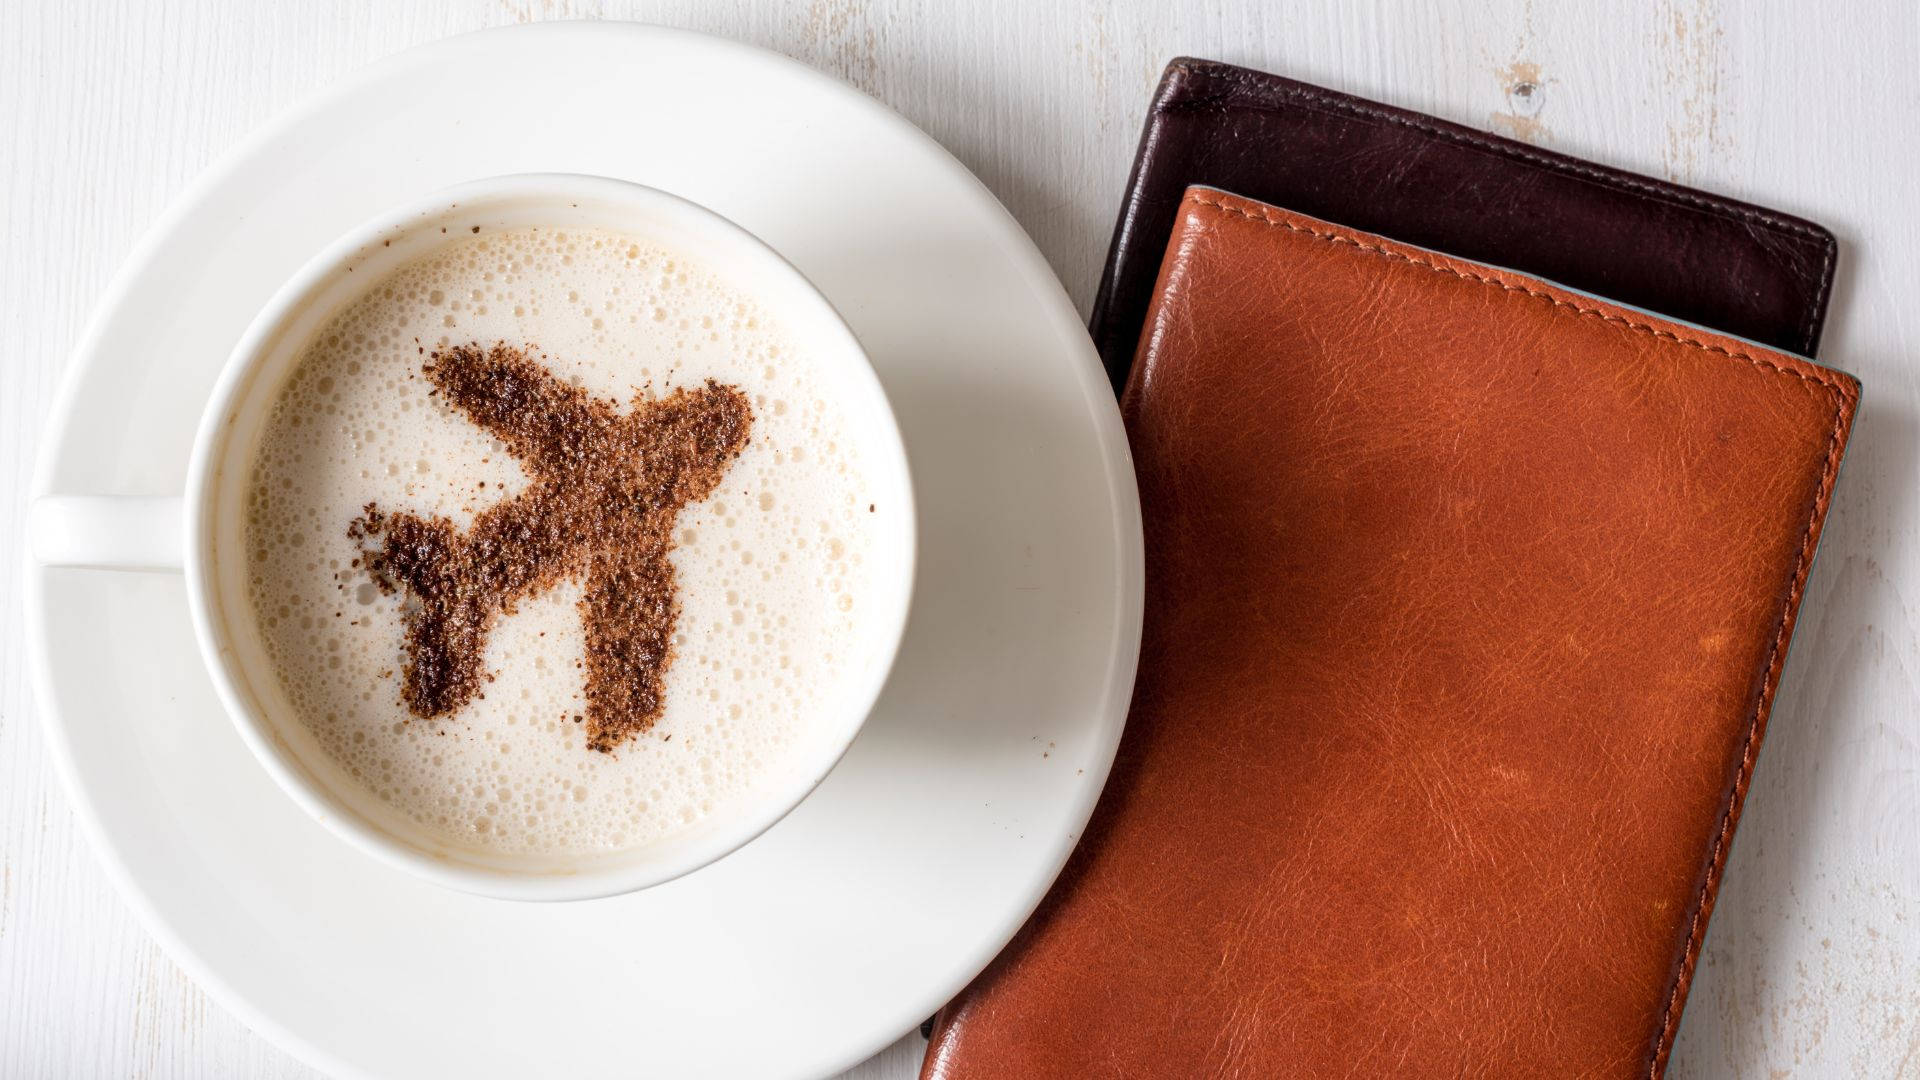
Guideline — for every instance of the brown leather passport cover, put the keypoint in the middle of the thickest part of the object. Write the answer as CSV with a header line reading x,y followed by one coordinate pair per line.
x,y
1688,254
1466,599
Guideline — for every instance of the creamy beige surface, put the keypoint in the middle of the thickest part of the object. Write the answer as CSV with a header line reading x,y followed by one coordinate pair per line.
x,y
771,569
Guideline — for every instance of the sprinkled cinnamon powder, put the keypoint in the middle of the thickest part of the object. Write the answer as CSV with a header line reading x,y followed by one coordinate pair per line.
x,y
606,489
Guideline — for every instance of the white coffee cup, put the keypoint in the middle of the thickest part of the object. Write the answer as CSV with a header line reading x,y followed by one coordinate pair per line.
x,y
200,533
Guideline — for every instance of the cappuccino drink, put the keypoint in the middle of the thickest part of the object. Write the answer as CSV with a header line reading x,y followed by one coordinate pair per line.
x,y
556,544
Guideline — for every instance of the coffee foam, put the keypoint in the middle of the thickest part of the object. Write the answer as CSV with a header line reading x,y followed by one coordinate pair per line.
x,y
772,569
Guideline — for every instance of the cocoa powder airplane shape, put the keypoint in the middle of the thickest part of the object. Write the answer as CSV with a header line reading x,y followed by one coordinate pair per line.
x,y
607,488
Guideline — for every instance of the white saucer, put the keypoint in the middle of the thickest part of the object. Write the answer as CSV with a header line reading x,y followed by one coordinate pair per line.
x,y
905,872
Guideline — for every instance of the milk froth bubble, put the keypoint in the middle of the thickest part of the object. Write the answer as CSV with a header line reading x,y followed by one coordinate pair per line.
x,y
772,569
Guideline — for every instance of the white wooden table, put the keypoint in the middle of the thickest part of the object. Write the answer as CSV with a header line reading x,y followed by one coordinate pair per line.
x,y
1812,968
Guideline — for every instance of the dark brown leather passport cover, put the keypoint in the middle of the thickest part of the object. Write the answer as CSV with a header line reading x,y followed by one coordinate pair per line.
x,y
1687,254
1467,596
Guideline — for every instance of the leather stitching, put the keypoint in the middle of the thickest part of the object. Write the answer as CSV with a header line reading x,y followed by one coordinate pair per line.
x,y
1262,88
1776,654
1490,143
1819,298
1595,313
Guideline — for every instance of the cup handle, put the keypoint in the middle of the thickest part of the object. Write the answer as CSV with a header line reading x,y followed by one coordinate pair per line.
x,y
109,532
